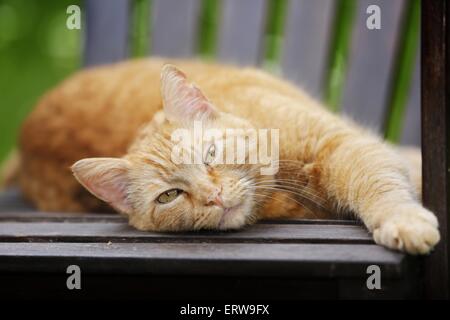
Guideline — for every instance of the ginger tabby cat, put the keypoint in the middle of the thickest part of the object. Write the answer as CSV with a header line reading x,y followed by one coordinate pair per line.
x,y
112,125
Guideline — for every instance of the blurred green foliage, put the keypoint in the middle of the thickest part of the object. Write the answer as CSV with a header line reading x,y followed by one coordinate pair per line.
x,y
276,21
403,72
141,24
36,51
339,52
206,42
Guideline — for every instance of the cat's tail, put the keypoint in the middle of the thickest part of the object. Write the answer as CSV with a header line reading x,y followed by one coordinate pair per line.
x,y
413,158
9,170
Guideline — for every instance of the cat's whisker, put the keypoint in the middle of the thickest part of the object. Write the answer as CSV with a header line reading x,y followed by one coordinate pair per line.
x,y
290,198
281,180
292,192
294,188
289,185
284,169
292,184
287,182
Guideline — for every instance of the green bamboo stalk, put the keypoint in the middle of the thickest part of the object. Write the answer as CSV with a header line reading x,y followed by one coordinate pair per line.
x,y
207,40
339,52
140,36
403,72
274,33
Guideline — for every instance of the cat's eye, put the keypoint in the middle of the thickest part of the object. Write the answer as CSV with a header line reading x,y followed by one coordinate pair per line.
x,y
169,196
210,155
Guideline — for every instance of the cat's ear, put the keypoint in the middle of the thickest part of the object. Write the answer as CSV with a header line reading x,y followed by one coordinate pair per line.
x,y
106,178
182,100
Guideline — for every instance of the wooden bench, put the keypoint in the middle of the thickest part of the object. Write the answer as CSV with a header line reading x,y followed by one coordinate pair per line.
x,y
272,259
277,259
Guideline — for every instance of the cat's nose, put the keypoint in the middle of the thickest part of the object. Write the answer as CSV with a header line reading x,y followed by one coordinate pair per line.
x,y
215,198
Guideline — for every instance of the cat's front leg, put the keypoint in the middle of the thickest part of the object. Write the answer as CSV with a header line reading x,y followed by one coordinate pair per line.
x,y
370,179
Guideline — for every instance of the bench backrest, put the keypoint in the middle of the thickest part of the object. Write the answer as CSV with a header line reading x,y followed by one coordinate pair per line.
x,y
324,46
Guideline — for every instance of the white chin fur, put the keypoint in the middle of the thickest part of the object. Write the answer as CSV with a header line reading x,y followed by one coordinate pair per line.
x,y
235,221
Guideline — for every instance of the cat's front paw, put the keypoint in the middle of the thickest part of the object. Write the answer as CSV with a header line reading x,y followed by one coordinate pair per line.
x,y
413,230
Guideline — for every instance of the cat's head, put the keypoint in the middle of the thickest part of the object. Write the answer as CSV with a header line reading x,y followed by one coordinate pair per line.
x,y
159,189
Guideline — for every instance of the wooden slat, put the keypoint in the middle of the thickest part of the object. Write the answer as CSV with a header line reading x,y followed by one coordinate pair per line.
x,y
435,137
13,208
174,27
107,31
411,126
370,63
121,232
40,216
349,222
241,32
306,43
280,260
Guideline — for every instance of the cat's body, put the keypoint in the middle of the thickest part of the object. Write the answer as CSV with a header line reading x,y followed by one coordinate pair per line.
x,y
338,166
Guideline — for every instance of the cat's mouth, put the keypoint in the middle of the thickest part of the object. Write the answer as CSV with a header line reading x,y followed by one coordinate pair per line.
x,y
228,213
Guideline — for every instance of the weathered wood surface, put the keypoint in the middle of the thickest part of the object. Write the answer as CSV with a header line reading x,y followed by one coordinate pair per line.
x,y
308,258
435,137
39,216
17,225
114,231
174,27
107,31
225,259
14,208
241,31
